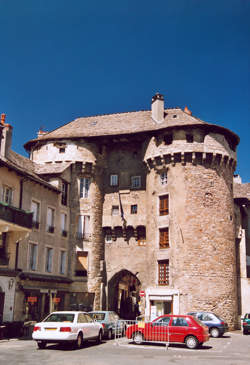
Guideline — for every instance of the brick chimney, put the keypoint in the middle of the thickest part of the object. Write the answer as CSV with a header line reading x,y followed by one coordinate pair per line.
x,y
6,139
157,108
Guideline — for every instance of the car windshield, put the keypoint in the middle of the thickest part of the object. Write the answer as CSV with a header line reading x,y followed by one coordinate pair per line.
x,y
60,317
97,316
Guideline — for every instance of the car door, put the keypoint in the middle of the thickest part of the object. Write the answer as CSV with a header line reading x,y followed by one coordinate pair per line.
x,y
159,330
179,329
94,327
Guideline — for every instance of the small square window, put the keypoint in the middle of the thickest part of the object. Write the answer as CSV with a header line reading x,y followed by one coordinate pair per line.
x,y
135,181
113,180
168,139
62,150
164,178
134,209
115,210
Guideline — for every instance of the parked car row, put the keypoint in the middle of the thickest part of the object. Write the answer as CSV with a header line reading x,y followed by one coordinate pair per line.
x,y
75,327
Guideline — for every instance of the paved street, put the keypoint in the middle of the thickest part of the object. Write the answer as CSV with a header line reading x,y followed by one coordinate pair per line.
x,y
232,349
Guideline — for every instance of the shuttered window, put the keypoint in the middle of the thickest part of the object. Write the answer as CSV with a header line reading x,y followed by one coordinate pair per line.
x,y
164,238
164,205
81,263
163,272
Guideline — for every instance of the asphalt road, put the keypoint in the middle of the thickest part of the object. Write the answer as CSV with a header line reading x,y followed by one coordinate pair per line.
x,y
232,349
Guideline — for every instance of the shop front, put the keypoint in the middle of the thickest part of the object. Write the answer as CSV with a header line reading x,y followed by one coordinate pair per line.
x,y
161,301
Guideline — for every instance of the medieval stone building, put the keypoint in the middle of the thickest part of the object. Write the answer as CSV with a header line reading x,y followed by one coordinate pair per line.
x,y
151,211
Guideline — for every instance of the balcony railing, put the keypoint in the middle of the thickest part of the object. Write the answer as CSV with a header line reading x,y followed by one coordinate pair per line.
x,y
16,216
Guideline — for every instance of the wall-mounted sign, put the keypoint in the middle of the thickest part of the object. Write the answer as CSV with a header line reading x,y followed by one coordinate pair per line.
x,y
32,299
142,293
56,300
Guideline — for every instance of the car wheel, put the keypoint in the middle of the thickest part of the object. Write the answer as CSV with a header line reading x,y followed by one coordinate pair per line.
x,y
110,334
99,338
138,338
79,341
191,342
214,332
41,345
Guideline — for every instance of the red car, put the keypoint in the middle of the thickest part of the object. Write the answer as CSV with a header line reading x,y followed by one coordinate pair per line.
x,y
170,328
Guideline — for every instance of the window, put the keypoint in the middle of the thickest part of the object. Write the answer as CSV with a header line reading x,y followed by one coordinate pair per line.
x,y
164,178
163,272
62,150
113,180
108,237
84,187
63,262
49,256
179,321
134,209
164,238
7,195
189,138
50,220
64,197
141,235
32,256
115,210
135,182
83,227
3,240
64,224
164,205
35,208
81,263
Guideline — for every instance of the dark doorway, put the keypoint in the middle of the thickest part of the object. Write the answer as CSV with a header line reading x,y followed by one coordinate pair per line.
x,y
123,294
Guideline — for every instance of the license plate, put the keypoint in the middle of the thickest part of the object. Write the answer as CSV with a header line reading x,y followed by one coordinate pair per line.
x,y
50,329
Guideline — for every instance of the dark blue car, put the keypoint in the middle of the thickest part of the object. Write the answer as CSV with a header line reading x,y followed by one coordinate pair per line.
x,y
217,326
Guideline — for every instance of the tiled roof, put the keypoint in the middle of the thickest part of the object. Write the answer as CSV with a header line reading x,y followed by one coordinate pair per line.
x,y
25,167
51,168
123,123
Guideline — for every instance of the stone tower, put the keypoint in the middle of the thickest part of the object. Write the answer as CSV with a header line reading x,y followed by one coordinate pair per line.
x,y
199,161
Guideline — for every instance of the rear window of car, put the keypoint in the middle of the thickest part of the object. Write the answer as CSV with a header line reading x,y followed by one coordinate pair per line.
x,y
60,317
97,316
199,322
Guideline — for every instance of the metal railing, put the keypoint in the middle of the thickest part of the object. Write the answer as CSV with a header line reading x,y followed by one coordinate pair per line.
x,y
141,331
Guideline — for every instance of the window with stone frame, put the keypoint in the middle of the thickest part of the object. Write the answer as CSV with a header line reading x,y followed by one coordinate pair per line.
x,y
3,248
62,266
164,205
141,235
49,258
35,208
164,178
115,210
135,182
33,248
50,220
164,238
163,272
84,227
64,225
7,195
64,196
133,209
84,187
113,180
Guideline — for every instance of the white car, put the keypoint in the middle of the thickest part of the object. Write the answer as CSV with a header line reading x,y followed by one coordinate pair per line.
x,y
67,327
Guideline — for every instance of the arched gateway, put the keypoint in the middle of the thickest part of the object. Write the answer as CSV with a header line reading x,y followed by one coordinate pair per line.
x,y
123,294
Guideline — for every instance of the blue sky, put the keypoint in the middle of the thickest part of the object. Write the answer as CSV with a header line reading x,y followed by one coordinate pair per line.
x,y
62,59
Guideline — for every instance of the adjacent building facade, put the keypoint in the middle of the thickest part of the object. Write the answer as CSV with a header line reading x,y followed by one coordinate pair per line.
x,y
150,224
